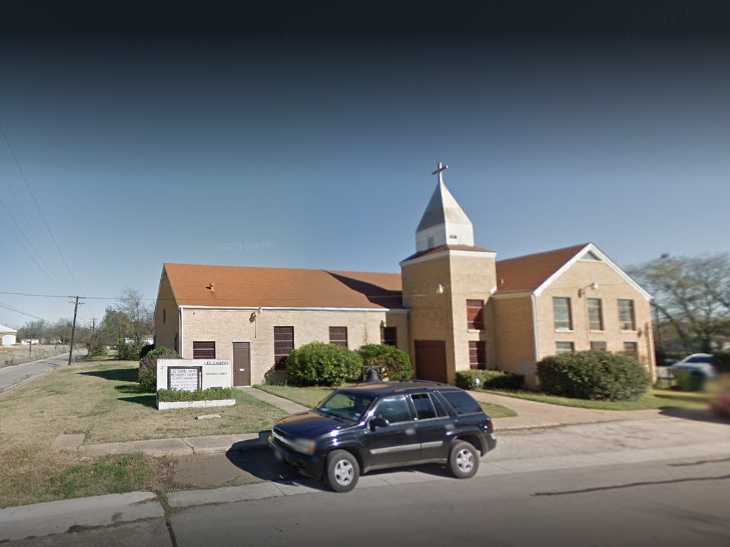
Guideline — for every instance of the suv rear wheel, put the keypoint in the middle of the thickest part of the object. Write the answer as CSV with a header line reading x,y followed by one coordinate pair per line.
x,y
343,471
463,460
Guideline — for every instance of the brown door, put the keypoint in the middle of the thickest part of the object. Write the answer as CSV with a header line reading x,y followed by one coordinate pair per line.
x,y
241,364
431,360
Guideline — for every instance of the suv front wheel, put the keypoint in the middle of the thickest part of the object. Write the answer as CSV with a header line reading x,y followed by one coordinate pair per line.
x,y
463,460
342,471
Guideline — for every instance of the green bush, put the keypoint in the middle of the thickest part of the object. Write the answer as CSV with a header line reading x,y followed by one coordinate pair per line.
x,y
721,362
128,352
147,372
488,379
210,394
593,375
322,364
689,380
394,363
145,350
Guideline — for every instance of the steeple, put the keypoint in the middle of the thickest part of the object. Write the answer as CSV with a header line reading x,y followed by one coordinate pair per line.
x,y
444,222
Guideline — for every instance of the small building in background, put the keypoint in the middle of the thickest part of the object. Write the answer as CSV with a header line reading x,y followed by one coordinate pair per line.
x,y
7,336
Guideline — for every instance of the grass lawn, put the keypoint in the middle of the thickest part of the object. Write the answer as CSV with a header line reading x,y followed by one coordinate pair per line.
x,y
102,400
655,398
311,396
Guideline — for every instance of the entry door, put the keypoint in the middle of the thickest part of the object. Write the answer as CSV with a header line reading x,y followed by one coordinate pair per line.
x,y
241,363
431,360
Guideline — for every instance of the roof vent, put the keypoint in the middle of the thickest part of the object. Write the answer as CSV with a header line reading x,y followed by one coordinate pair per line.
x,y
210,287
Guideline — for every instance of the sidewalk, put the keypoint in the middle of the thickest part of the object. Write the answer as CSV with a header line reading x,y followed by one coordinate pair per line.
x,y
532,415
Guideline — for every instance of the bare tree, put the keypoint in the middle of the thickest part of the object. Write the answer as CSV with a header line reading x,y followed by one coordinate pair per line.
x,y
132,304
692,294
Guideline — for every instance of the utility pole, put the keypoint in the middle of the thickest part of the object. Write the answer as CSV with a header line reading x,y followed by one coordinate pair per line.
x,y
73,330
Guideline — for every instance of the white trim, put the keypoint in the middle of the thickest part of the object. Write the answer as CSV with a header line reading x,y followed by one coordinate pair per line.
x,y
180,345
275,308
591,247
447,252
535,333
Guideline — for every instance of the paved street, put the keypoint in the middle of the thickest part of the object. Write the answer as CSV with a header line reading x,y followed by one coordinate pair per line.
x,y
656,503
17,374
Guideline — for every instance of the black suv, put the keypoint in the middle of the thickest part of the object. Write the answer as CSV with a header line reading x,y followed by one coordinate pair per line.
x,y
389,424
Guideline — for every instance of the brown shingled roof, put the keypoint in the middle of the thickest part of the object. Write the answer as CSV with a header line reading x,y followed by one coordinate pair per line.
x,y
527,273
233,286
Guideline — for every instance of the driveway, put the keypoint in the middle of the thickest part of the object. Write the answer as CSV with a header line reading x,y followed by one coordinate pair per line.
x,y
18,374
533,414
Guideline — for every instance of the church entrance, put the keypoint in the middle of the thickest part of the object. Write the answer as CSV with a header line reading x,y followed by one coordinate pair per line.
x,y
431,360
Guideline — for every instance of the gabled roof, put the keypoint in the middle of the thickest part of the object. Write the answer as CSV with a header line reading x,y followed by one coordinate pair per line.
x,y
442,208
7,330
527,273
233,286
534,273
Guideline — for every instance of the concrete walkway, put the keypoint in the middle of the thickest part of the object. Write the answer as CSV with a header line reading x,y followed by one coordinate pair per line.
x,y
284,404
531,414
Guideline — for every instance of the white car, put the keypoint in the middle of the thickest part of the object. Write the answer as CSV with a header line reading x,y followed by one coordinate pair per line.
x,y
700,363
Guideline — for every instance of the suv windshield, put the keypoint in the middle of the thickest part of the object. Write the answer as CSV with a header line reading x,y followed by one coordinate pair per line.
x,y
347,405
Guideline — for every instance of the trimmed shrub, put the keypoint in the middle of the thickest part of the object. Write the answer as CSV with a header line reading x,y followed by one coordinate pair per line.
x,y
147,372
210,394
593,375
394,363
689,380
488,379
721,362
322,364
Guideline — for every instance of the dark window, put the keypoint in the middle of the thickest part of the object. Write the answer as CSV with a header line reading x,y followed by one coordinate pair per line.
x,y
595,313
562,313
564,347
598,346
203,350
338,336
177,343
424,406
475,314
394,409
440,408
626,316
283,345
631,349
390,336
164,315
462,402
477,354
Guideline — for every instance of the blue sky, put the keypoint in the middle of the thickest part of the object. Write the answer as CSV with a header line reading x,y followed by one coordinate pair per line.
x,y
290,156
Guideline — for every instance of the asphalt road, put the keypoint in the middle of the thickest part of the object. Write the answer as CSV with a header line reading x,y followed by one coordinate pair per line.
x,y
17,374
664,503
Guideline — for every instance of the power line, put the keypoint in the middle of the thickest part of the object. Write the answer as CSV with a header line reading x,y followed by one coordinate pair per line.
x,y
10,308
24,178
25,240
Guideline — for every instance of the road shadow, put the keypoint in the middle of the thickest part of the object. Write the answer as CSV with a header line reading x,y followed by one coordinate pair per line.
x,y
696,414
258,460
115,374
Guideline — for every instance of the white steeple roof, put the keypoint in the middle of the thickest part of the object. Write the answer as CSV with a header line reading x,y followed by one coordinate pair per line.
x,y
444,222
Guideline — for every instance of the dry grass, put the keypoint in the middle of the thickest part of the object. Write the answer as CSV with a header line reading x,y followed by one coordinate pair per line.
x,y
14,355
101,400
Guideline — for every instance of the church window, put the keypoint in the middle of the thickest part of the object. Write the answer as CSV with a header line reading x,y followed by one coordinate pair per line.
x,y
563,317
283,345
475,314
338,336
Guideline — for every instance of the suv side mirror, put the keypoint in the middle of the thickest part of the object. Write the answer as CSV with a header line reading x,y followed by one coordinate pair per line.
x,y
378,422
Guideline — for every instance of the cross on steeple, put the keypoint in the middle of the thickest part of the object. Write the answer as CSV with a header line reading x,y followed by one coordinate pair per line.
x,y
440,169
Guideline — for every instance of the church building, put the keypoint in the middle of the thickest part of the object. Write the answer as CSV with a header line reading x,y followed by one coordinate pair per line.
x,y
453,306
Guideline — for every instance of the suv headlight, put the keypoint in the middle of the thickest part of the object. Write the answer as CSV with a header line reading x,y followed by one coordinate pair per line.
x,y
305,446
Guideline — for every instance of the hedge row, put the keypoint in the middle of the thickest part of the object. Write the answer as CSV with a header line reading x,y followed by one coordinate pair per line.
x,y
593,375
721,362
210,394
488,379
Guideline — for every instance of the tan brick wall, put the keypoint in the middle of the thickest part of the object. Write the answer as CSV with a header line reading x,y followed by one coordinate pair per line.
x,y
436,316
611,287
515,342
165,331
228,326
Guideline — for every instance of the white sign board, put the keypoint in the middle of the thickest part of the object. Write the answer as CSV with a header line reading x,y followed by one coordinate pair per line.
x,y
193,374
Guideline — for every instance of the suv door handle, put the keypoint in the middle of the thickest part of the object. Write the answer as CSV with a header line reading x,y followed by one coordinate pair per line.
x,y
410,431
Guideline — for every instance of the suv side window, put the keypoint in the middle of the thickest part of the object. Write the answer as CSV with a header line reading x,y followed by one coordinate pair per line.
x,y
394,409
462,402
424,407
